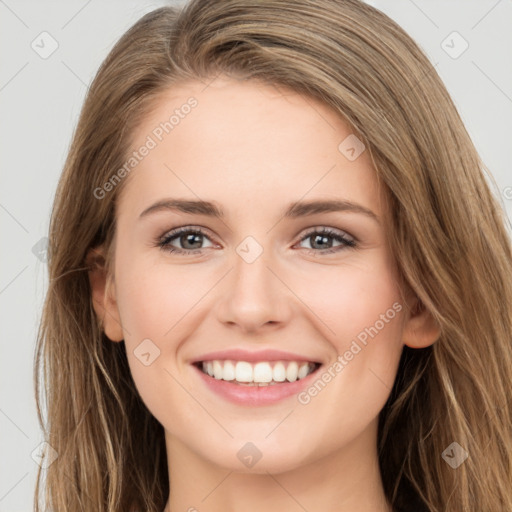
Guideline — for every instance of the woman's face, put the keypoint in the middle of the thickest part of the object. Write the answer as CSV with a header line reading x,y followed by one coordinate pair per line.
x,y
263,280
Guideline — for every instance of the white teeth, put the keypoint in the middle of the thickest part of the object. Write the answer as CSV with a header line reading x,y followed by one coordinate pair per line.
x,y
229,371
291,372
243,372
261,373
303,371
217,370
279,372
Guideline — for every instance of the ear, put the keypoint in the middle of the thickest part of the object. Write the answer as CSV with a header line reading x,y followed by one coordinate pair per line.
x,y
420,329
103,294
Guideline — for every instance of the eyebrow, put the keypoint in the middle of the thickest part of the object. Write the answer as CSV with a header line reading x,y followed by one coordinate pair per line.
x,y
294,210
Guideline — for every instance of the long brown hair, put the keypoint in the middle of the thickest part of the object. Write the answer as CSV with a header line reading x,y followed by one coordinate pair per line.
x,y
447,233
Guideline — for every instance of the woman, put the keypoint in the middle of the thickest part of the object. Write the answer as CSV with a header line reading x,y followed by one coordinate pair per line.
x,y
338,335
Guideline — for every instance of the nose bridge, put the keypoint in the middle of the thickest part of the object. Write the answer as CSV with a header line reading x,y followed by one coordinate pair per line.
x,y
253,295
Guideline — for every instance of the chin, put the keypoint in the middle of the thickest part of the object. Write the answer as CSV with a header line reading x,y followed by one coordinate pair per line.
x,y
253,457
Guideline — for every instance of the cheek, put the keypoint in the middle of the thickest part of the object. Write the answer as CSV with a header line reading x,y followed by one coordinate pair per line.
x,y
154,297
159,306
351,298
359,312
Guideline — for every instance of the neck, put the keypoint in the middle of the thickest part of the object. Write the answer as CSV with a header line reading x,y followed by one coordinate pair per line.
x,y
346,480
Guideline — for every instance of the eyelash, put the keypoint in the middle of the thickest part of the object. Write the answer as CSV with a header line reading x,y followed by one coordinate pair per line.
x,y
164,242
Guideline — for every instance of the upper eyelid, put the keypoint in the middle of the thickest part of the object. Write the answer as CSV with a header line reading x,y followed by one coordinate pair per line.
x,y
171,233
337,231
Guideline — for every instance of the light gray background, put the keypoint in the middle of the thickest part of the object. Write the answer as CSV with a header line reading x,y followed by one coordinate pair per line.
x,y
40,100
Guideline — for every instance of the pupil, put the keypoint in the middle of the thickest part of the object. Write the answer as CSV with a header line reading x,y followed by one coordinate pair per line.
x,y
190,238
321,238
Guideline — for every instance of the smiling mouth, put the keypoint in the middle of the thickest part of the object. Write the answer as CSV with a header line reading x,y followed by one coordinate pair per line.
x,y
264,373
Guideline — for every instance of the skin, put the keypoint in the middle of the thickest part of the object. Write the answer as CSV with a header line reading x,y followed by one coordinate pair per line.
x,y
253,149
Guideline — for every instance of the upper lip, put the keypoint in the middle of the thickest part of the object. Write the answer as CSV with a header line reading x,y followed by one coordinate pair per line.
x,y
238,354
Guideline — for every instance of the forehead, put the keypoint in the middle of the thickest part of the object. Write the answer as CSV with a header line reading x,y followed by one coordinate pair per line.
x,y
230,138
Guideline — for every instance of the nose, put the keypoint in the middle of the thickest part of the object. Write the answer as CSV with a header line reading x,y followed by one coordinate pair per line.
x,y
254,296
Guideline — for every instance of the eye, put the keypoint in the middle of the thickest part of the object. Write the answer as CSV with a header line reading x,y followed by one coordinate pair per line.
x,y
320,240
190,240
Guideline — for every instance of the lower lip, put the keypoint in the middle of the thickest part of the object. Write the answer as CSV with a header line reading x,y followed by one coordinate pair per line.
x,y
255,395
